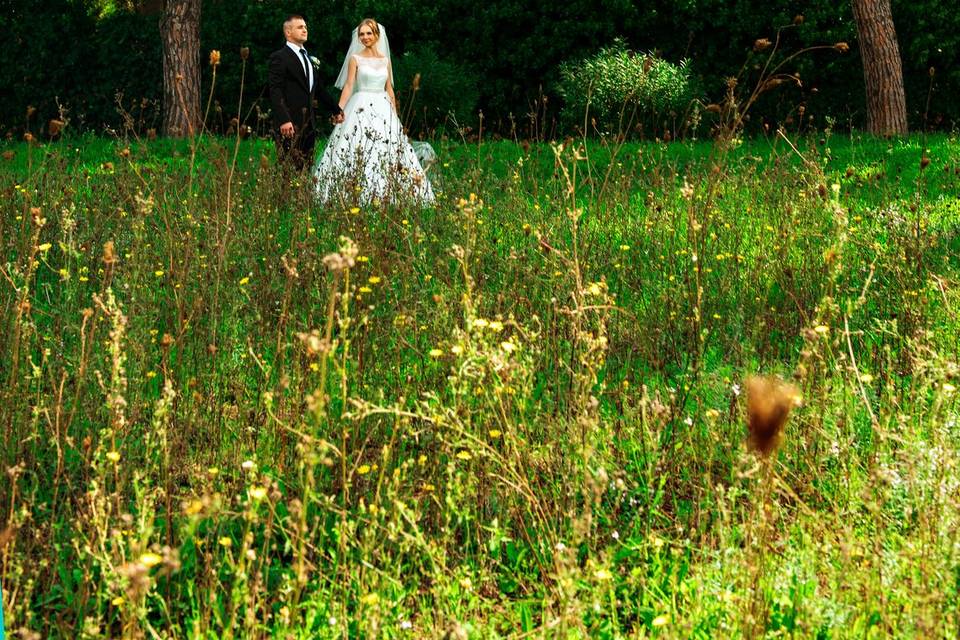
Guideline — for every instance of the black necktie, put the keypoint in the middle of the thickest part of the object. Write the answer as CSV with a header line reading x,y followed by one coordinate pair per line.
x,y
306,66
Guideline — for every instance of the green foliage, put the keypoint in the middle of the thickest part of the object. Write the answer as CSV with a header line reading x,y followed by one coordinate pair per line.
x,y
626,92
445,89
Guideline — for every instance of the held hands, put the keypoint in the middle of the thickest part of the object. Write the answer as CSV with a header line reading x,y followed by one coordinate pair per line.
x,y
287,130
337,119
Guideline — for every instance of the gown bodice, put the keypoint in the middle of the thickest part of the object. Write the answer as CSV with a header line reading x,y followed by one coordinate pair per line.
x,y
371,74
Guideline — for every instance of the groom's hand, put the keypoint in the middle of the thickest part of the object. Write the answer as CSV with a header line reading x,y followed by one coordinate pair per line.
x,y
287,130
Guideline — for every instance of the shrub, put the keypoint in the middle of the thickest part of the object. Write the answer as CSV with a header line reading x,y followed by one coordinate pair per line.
x,y
444,89
626,92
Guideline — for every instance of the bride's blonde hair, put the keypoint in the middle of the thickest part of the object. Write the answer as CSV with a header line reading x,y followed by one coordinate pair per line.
x,y
370,22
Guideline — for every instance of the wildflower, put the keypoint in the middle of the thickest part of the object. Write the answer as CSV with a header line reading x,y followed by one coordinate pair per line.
x,y
509,347
45,246
354,210
374,279
661,620
436,353
615,535
456,349
244,280
248,465
113,456
560,547
406,624
363,469
494,433
117,601
822,329
370,599
602,574
496,326
464,455
258,493
948,388
332,621
150,560
225,542
158,272
213,472
624,247
480,323
365,289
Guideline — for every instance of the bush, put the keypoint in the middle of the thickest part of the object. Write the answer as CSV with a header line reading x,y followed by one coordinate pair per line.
x,y
626,92
444,89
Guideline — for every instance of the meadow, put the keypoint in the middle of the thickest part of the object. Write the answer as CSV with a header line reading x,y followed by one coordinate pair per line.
x,y
230,413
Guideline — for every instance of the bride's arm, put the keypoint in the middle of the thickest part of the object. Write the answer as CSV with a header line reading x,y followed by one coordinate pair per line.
x,y
348,87
393,97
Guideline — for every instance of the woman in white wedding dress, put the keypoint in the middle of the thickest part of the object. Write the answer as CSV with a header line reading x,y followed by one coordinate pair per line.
x,y
368,157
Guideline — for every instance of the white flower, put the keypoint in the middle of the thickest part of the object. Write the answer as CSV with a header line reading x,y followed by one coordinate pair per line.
x,y
615,535
736,389
560,547
315,62
406,624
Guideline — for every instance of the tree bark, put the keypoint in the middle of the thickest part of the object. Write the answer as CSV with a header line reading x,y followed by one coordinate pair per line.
x,y
180,33
882,69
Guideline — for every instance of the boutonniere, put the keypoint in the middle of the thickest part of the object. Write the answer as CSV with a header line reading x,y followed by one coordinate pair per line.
x,y
315,62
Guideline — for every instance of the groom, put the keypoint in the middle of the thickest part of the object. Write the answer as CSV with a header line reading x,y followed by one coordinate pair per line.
x,y
294,88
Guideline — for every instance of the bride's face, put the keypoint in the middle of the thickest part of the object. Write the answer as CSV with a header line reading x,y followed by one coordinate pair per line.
x,y
366,36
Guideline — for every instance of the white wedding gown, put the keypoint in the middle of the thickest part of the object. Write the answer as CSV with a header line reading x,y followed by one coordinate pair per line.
x,y
368,157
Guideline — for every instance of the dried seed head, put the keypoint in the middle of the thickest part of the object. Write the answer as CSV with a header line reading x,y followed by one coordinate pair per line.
x,y
30,111
769,401
416,82
28,137
244,53
214,58
924,162
932,71
841,47
54,127
761,44
151,134
798,19
109,256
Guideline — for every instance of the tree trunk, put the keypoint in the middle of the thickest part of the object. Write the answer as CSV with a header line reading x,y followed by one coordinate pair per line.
x,y
180,33
882,69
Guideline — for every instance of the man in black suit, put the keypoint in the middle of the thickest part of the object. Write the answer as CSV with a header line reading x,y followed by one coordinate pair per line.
x,y
294,87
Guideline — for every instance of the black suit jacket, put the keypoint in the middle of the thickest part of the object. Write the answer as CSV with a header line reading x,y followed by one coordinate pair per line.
x,y
290,95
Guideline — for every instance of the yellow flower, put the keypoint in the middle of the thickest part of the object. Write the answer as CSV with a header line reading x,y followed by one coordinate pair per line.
x,y
436,353
480,323
158,272
495,433
244,280
496,325
45,246
225,542
117,601
370,599
509,347
948,388
113,456
258,493
354,210
363,469
456,349
624,247
150,560
464,455
374,279
822,329
659,621
602,574
365,289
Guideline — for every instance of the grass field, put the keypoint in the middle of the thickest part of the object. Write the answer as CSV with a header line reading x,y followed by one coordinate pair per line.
x,y
230,413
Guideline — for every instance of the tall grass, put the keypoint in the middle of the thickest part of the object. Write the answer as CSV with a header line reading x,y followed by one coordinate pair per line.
x,y
520,413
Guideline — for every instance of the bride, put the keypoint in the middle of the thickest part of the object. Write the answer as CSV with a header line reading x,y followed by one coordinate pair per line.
x,y
368,156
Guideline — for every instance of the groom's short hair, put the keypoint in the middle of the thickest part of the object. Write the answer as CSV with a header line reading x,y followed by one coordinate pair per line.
x,y
293,16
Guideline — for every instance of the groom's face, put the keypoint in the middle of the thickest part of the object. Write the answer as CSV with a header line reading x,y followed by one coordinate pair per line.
x,y
296,31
